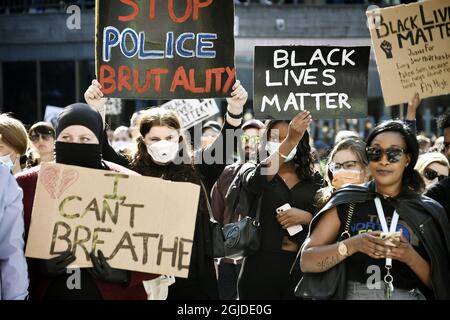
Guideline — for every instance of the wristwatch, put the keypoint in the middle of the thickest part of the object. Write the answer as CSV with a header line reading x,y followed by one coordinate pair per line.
x,y
342,249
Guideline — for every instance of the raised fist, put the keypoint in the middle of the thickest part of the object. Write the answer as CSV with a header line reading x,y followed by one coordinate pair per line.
x,y
386,46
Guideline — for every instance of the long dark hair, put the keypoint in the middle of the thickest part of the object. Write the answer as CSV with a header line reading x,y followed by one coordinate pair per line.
x,y
411,178
153,118
303,158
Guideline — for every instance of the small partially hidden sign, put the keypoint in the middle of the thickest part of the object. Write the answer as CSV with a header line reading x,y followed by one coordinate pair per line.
x,y
140,223
192,111
330,82
165,49
412,49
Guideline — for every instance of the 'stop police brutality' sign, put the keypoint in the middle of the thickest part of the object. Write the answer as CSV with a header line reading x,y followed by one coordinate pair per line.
x,y
330,82
165,48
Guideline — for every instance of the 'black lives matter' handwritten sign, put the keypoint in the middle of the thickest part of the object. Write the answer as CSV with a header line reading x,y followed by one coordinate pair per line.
x,y
331,82
140,223
412,49
165,48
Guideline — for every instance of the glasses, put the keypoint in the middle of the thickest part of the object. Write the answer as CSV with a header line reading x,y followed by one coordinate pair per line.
x,y
430,174
347,165
45,136
250,139
393,154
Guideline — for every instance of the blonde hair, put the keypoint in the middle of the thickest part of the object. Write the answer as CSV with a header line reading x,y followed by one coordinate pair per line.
x,y
13,134
428,158
358,147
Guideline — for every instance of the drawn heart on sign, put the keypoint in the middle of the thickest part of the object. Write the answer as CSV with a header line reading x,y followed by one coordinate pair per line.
x,y
69,177
56,183
50,177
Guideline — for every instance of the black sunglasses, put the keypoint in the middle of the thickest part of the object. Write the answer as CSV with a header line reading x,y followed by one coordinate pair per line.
x,y
393,154
45,136
430,174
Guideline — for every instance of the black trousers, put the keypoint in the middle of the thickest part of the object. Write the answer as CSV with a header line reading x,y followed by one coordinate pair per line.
x,y
265,276
228,278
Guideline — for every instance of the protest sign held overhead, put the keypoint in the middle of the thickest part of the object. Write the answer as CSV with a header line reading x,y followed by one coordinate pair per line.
x,y
330,82
192,111
165,49
51,115
412,49
140,223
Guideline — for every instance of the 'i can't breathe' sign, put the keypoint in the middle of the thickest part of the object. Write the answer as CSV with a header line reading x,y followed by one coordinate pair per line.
x,y
330,82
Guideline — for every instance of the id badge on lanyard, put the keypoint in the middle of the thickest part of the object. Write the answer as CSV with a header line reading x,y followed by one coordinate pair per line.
x,y
388,279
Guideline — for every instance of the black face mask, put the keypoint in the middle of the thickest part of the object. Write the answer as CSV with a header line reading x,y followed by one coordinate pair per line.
x,y
79,154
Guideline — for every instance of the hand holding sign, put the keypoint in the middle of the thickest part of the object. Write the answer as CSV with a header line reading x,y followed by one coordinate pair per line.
x,y
102,270
56,266
238,98
298,126
413,104
94,96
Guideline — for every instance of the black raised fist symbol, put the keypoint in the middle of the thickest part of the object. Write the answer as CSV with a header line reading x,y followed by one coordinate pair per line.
x,y
386,46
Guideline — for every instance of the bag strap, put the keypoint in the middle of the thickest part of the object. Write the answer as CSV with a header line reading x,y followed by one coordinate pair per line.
x,y
258,209
208,204
350,212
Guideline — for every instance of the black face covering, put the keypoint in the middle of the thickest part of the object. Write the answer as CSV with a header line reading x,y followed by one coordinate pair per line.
x,y
82,155
79,154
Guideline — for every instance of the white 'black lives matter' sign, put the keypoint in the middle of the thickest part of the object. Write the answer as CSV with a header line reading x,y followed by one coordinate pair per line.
x,y
330,82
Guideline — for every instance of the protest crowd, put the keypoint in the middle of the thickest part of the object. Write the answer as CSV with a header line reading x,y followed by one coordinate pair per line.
x,y
367,215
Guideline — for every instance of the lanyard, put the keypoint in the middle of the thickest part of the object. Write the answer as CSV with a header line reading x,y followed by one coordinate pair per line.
x,y
388,279
384,225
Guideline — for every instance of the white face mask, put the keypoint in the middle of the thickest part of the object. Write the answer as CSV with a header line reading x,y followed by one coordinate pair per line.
x,y
273,147
163,151
7,161
120,145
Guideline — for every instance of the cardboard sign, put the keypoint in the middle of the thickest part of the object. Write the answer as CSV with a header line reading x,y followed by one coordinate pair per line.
x,y
51,115
192,111
113,106
330,82
140,223
165,49
412,49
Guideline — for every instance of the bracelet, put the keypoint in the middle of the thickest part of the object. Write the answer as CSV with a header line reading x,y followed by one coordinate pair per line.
x,y
282,155
235,116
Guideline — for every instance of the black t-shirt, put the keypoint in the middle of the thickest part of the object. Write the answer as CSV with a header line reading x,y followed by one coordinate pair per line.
x,y
359,265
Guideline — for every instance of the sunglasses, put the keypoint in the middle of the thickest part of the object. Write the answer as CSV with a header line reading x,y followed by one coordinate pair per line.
x,y
430,174
374,154
250,139
347,165
44,136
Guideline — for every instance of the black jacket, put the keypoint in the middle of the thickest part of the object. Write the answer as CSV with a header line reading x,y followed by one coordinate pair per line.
x,y
441,193
425,216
